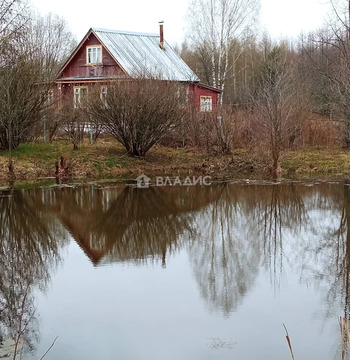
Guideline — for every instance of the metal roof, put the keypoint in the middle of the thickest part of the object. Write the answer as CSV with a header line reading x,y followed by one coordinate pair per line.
x,y
139,54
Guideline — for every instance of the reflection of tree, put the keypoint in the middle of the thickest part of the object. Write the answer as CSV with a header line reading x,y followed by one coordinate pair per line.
x,y
234,230
245,226
342,252
280,210
333,253
224,262
27,249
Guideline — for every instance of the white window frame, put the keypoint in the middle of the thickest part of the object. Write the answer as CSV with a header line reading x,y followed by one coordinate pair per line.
x,y
78,94
103,94
94,55
206,103
50,97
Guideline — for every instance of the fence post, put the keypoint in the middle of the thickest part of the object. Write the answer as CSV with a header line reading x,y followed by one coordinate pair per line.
x,y
44,121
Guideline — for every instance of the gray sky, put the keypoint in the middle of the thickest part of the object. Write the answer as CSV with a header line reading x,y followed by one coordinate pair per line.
x,y
286,18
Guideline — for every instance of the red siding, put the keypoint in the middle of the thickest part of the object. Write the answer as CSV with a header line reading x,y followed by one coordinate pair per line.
x,y
196,91
77,67
78,73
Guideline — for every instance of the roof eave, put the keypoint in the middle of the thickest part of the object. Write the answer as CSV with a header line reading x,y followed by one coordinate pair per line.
x,y
209,87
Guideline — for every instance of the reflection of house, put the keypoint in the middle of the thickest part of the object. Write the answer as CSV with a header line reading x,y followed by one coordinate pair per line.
x,y
128,224
81,233
106,55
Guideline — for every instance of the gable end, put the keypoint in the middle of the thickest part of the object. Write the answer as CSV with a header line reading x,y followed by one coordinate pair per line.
x,y
78,65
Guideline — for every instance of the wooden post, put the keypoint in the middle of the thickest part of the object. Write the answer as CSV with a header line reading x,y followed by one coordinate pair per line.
x,y
57,169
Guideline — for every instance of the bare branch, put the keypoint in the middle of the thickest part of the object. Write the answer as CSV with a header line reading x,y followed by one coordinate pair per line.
x,y
50,347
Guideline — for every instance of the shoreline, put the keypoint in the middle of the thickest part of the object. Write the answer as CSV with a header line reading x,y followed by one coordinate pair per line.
x,y
107,161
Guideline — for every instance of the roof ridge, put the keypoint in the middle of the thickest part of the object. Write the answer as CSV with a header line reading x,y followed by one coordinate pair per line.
x,y
123,32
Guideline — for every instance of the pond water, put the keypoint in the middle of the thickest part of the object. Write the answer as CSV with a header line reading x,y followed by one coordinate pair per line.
x,y
201,272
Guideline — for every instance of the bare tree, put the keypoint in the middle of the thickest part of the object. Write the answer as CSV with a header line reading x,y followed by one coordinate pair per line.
x,y
72,121
22,98
138,113
339,39
51,42
214,131
275,103
328,54
12,19
28,64
331,82
214,25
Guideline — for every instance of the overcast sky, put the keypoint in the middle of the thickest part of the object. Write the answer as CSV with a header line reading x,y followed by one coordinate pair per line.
x,y
281,18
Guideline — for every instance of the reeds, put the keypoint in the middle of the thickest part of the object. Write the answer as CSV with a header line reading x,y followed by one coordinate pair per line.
x,y
289,342
345,337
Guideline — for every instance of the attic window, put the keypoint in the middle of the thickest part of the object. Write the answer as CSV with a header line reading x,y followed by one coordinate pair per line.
x,y
94,54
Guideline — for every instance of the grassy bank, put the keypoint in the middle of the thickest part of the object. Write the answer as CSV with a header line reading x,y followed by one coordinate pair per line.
x,y
107,159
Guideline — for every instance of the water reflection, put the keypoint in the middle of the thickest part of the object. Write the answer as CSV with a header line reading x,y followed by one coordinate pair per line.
x,y
224,262
274,213
232,233
128,224
243,228
341,255
28,249
332,251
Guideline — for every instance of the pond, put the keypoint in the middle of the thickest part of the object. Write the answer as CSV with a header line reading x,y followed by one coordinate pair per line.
x,y
182,272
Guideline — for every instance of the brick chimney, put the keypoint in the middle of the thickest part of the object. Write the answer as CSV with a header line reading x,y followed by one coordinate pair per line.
x,y
161,33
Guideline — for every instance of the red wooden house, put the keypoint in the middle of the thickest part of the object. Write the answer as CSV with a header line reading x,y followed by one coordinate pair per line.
x,y
105,55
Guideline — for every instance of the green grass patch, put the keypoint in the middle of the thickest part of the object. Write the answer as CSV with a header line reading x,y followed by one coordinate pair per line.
x,y
111,162
314,161
118,161
39,150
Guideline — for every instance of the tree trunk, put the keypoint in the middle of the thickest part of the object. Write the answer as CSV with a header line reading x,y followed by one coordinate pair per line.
x,y
275,168
347,132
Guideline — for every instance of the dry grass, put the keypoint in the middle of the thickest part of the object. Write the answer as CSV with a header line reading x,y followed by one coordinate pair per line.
x,y
320,163
107,159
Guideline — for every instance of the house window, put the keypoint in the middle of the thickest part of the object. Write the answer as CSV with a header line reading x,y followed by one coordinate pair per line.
x,y
206,103
80,94
94,55
50,97
103,95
